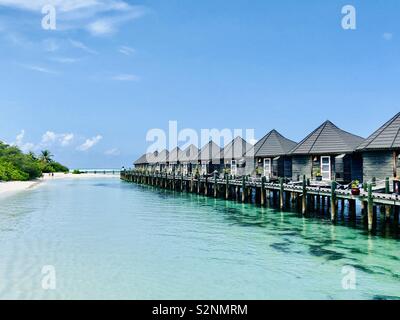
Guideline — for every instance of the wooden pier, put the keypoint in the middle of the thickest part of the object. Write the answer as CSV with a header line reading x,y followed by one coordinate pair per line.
x,y
303,197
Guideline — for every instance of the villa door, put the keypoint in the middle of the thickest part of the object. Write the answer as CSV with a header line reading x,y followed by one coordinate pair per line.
x,y
204,168
234,167
326,168
267,167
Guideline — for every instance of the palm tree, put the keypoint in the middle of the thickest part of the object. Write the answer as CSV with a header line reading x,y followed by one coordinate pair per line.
x,y
32,155
46,156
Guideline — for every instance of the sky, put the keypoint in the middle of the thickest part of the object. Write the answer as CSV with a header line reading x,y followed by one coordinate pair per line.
x,y
112,70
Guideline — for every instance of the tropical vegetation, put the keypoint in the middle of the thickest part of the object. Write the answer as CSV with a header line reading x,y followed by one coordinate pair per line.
x,y
18,166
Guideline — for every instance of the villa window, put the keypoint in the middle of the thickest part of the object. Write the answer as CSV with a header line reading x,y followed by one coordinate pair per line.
x,y
326,168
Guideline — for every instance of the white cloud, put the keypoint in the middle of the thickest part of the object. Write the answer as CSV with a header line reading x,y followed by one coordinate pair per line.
x,y
84,14
126,77
112,152
387,36
65,60
24,146
82,46
101,27
50,45
39,69
66,139
62,139
49,137
62,5
128,51
89,143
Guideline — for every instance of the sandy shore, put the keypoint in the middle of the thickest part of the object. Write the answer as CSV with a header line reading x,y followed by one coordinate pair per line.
x,y
9,188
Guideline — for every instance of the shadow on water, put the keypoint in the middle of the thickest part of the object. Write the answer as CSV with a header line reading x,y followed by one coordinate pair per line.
x,y
315,230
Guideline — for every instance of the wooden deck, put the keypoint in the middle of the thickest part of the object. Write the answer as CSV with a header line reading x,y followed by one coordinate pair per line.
x,y
303,196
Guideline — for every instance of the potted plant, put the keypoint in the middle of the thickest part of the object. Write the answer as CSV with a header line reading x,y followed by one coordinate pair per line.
x,y
318,175
355,189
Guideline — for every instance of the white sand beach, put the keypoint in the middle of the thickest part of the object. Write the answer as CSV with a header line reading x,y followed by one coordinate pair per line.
x,y
9,188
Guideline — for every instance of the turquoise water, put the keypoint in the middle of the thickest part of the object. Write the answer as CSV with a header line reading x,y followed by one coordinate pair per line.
x,y
107,239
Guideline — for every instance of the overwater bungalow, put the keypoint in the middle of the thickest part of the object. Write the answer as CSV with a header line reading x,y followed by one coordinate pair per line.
x,y
271,156
234,157
381,152
210,158
189,159
142,163
174,156
328,154
160,160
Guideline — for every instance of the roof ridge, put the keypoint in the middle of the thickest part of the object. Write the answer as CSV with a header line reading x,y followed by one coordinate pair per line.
x,y
265,140
305,139
381,129
322,129
395,138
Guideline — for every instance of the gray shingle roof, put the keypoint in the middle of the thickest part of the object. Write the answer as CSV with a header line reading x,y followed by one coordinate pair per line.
x,y
142,160
210,152
175,155
190,154
273,144
236,149
386,137
328,139
161,157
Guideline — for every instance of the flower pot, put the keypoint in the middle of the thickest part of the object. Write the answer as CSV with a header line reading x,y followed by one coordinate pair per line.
x,y
355,191
319,178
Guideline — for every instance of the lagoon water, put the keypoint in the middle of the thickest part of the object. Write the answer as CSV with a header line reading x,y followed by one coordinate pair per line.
x,y
107,239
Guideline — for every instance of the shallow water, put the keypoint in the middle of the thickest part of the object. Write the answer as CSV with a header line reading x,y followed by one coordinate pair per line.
x,y
108,239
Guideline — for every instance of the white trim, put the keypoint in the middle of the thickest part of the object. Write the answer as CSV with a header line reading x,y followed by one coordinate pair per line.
x,y
233,167
267,169
326,175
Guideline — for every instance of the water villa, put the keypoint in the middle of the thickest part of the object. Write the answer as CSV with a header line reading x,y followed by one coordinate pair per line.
x,y
210,158
326,154
325,170
234,157
189,159
381,152
271,156
174,162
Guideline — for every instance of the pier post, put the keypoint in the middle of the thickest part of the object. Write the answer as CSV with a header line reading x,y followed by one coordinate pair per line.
x,y
191,184
243,190
281,191
215,185
304,199
262,200
370,208
226,187
333,201
206,187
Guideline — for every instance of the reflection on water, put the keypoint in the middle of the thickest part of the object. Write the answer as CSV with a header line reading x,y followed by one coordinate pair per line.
x,y
109,239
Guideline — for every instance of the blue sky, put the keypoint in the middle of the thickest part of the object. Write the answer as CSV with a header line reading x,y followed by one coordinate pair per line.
x,y
114,69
